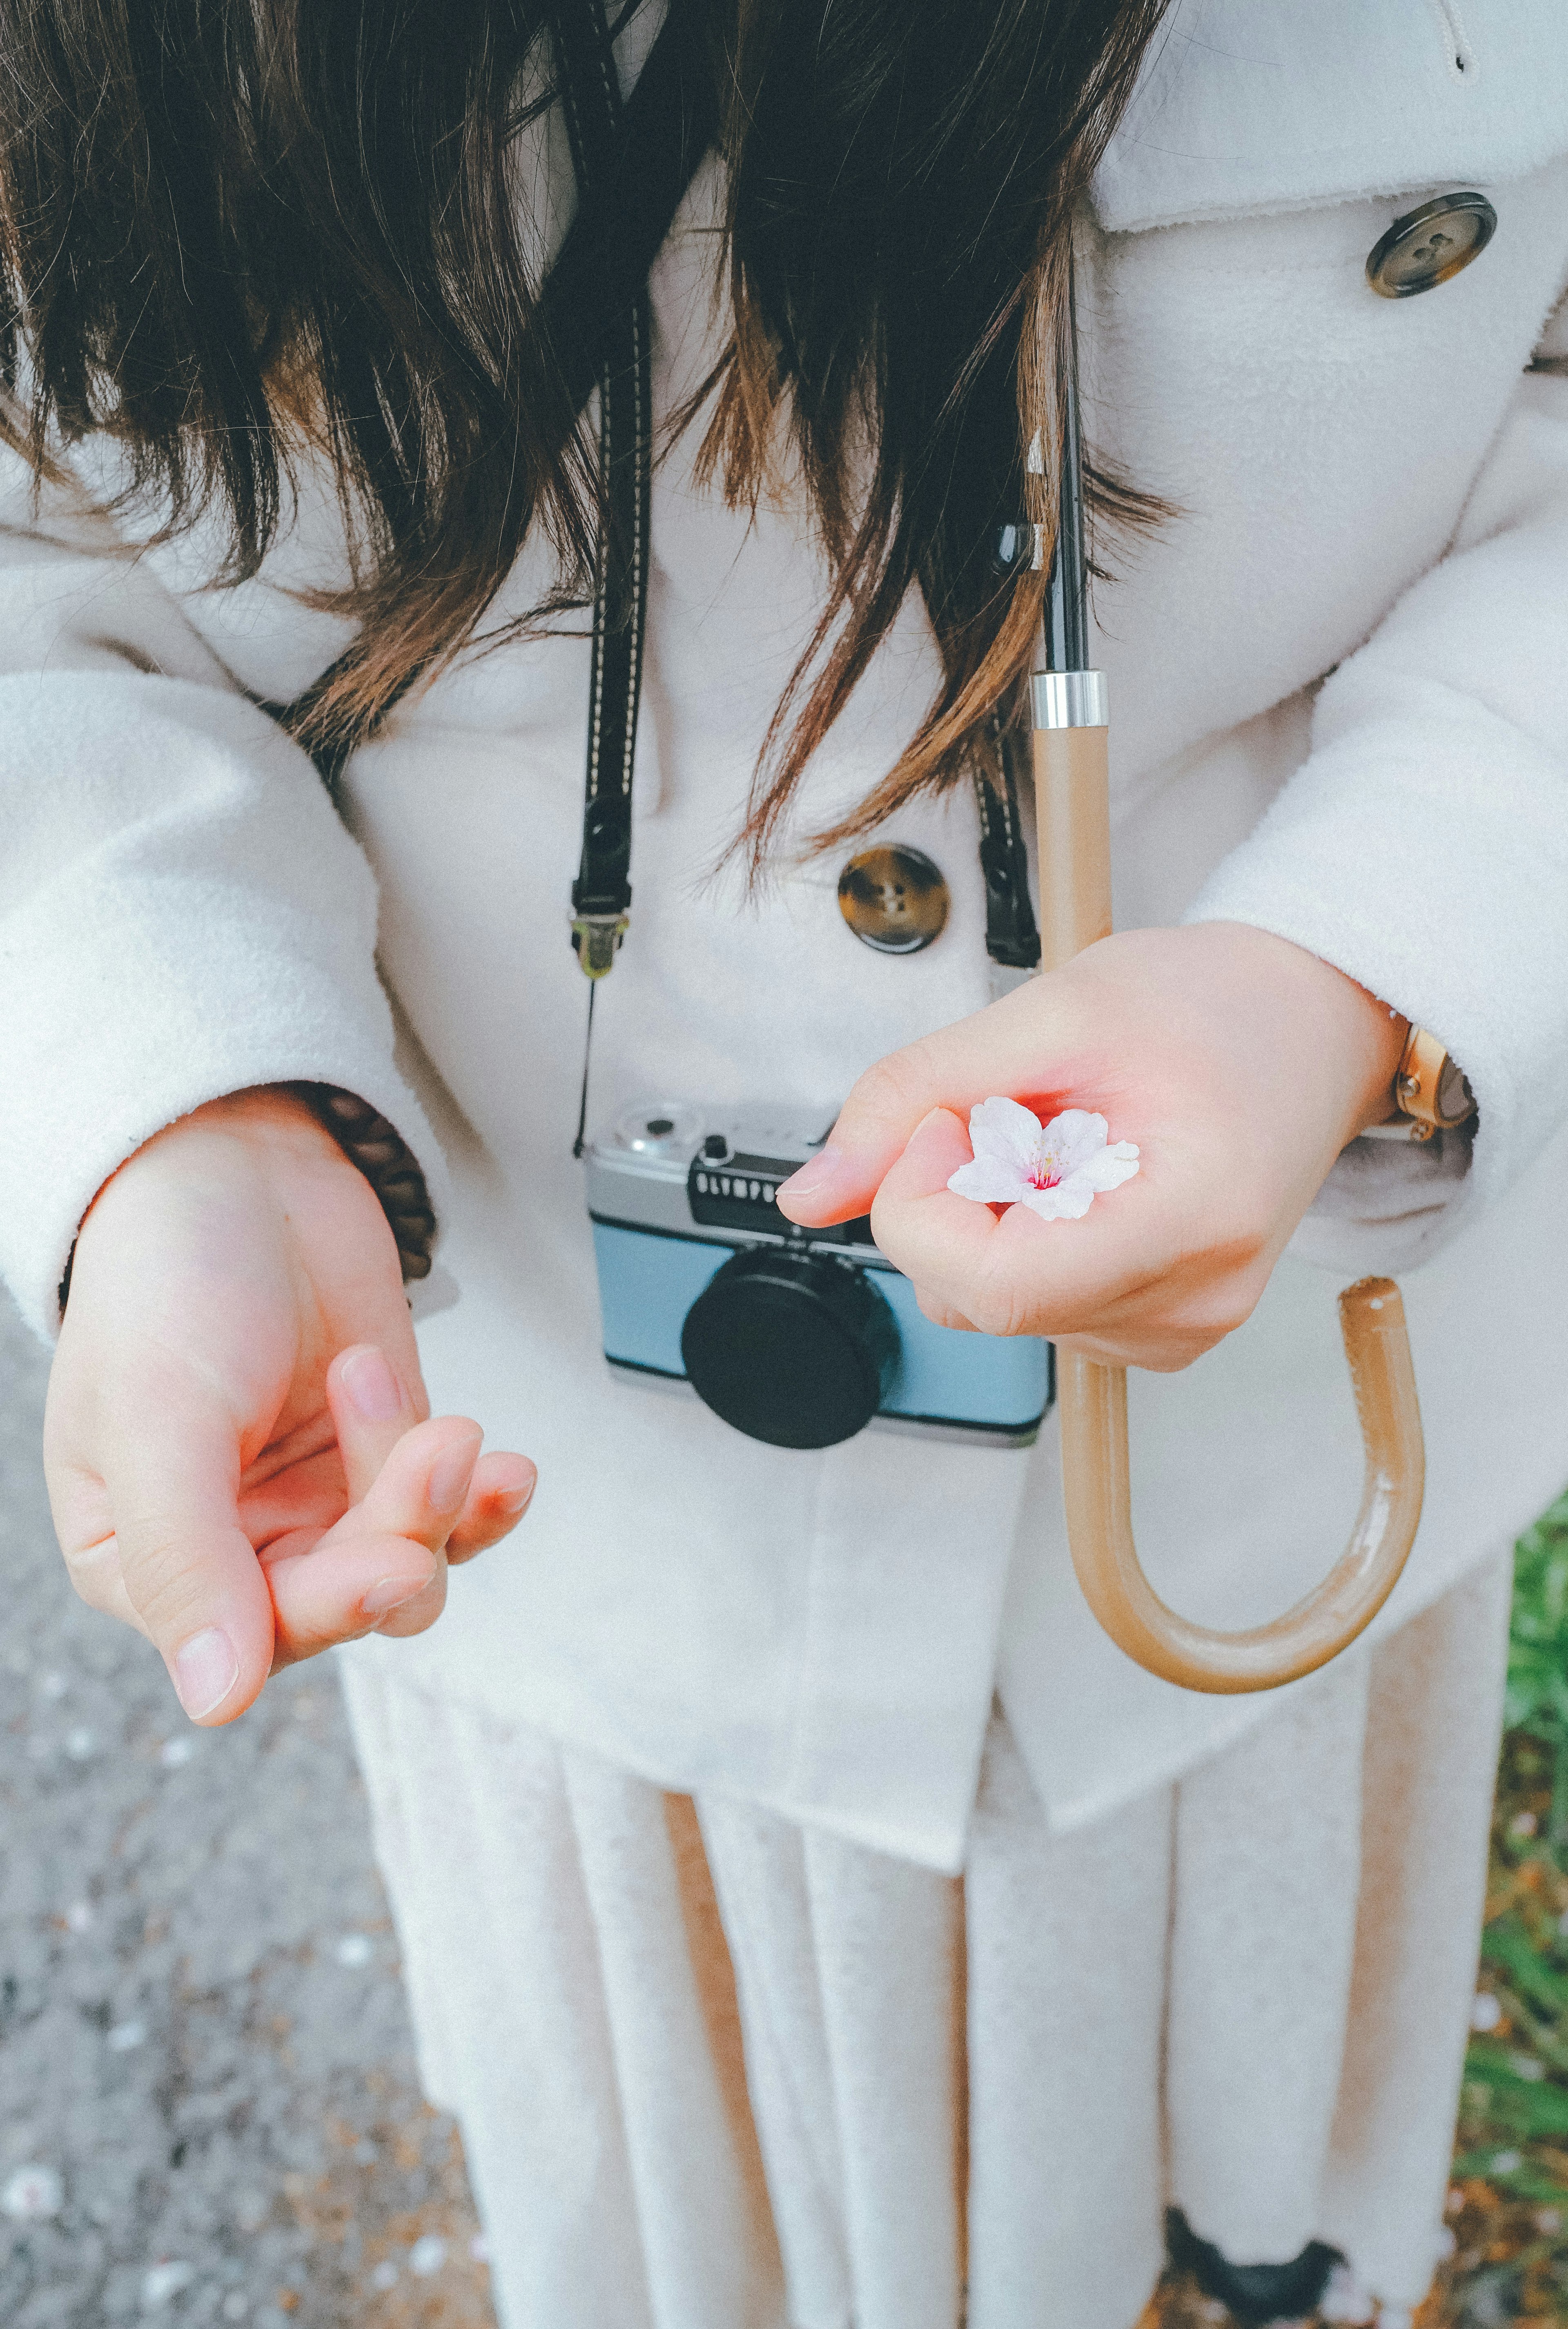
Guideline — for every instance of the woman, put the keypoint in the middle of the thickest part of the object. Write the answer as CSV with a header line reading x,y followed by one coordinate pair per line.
x,y
672,1799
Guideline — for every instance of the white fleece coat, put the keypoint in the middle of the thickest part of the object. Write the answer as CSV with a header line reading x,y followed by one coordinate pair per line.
x,y
1339,688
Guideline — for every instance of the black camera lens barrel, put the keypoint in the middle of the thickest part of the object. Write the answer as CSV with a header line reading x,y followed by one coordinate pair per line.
x,y
796,1349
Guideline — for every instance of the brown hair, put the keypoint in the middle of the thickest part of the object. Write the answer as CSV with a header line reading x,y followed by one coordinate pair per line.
x,y
226,222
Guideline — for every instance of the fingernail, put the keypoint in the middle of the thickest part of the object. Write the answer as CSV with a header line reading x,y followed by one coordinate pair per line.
x,y
390,1594
205,1671
513,1501
816,1175
371,1387
450,1473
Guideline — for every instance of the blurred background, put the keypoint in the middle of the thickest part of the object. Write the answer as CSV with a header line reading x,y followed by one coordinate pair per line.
x,y
208,2111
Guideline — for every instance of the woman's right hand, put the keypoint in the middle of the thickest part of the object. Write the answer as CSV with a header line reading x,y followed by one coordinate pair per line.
x,y
238,1458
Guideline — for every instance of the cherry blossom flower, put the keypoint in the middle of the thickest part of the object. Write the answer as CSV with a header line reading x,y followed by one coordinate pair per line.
x,y
1057,1169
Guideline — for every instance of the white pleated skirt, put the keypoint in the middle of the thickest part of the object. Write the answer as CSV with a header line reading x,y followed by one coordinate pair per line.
x,y
718,2071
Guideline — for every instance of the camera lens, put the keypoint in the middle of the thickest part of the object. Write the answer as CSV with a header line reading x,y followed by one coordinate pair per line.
x,y
659,1125
793,1349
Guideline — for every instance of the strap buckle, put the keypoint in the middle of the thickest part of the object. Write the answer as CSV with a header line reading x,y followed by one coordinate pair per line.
x,y
596,940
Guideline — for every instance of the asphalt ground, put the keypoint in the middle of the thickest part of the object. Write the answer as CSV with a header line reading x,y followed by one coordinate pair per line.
x,y
208,2110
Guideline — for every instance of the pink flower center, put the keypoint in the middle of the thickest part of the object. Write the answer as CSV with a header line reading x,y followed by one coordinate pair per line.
x,y
1043,1172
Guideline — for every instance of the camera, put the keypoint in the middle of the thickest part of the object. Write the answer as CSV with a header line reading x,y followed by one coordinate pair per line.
x,y
798,1337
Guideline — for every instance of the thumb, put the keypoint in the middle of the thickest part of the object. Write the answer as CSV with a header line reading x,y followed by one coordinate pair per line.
x,y
171,1470
1023,1046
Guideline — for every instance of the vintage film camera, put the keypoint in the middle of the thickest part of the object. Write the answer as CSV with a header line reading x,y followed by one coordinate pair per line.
x,y
798,1337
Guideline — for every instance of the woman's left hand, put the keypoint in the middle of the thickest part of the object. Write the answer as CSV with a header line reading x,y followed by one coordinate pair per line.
x,y
1238,1063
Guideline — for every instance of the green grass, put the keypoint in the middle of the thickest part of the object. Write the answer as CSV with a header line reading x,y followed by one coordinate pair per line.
x,y
1537,1701
1511,2258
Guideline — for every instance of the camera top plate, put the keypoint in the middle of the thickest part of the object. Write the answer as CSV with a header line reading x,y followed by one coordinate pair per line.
x,y
676,1170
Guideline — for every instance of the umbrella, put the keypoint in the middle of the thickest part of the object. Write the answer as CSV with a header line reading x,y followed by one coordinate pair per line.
x,y
1070,719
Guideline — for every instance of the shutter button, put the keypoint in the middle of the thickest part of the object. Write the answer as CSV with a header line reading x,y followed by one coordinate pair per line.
x,y
1428,245
895,900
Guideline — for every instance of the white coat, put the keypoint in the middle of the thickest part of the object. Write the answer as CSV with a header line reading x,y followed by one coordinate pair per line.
x,y
1340,687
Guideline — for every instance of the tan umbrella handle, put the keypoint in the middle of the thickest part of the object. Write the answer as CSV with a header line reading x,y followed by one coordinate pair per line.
x,y
1075,827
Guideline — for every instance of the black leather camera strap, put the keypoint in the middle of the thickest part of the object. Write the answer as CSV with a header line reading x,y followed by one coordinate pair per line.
x,y
613,174
1012,936
601,893
613,191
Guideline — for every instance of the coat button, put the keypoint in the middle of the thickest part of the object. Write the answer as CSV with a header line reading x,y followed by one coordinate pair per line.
x,y
1428,245
893,899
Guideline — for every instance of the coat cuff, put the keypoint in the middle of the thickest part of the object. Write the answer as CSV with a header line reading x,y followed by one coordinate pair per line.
x,y
1423,849
190,919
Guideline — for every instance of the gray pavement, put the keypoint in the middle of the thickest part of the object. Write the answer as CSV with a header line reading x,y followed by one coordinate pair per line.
x,y
208,2111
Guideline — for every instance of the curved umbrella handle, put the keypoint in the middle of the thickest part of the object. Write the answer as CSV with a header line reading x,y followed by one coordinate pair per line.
x,y
1092,1400
1073,802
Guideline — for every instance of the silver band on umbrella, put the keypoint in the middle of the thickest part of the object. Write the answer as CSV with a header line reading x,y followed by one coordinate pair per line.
x,y
1069,699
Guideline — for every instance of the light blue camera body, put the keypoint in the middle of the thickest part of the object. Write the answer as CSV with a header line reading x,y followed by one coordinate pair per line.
x,y
677,1196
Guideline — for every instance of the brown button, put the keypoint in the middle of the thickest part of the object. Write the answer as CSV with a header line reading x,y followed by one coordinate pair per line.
x,y
894,900
1427,246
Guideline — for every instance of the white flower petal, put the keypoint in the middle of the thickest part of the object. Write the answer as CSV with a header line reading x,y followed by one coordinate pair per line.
x,y
989,1181
1072,1137
1110,1167
1068,1202
1079,1189
1007,1130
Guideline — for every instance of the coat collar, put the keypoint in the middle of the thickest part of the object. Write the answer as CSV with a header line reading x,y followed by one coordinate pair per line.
x,y
1271,105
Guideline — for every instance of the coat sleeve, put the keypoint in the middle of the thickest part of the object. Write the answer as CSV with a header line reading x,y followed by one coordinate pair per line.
x,y
1422,847
181,913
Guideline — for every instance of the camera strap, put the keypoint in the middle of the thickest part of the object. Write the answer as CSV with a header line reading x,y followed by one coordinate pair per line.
x,y
601,893
1012,936
620,185
615,182
634,161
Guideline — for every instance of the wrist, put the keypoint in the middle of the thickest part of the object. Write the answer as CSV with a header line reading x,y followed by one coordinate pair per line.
x,y
266,1114
375,1147
314,1124
1387,1035
1344,1043
354,1131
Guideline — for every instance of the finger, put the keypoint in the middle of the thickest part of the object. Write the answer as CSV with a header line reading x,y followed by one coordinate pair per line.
x,y
499,1493
420,1493
941,1241
372,1409
1153,1352
169,1455
1015,1274
325,1597
421,1488
381,1567
941,1315
1031,1046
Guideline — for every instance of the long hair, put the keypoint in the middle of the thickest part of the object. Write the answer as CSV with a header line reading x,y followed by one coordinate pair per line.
x,y
233,228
